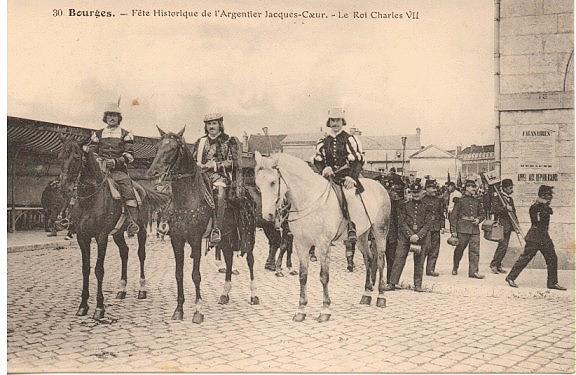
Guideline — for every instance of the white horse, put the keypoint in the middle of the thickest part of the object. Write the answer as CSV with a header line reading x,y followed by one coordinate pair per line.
x,y
316,219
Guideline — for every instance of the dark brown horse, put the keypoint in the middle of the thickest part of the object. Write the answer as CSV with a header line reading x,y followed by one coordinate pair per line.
x,y
188,217
97,215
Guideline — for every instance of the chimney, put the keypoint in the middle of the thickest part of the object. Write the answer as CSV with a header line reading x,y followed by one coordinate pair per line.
x,y
418,131
458,150
245,144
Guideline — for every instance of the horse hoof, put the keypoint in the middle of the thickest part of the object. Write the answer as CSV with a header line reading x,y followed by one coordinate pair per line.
x,y
82,311
293,273
224,300
313,258
366,300
121,295
323,318
98,314
350,268
254,300
198,318
279,274
381,302
235,272
178,315
142,294
299,317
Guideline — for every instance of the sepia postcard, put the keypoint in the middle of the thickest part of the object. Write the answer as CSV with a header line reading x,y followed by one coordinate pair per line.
x,y
290,186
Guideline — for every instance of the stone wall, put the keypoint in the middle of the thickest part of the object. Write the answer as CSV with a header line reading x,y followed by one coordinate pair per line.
x,y
536,109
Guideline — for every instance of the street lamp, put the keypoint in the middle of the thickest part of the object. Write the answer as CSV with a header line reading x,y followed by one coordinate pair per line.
x,y
403,153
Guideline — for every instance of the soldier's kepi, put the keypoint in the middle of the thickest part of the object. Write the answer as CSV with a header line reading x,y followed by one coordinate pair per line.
x,y
339,157
115,149
217,153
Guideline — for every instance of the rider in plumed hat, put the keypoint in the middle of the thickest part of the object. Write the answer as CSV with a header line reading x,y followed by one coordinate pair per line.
x,y
218,154
339,157
115,149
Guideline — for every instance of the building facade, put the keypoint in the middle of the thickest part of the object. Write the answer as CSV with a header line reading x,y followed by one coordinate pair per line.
x,y
476,159
534,60
434,162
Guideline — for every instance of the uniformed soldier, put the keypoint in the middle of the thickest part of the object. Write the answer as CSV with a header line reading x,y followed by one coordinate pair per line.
x,y
538,238
396,199
413,219
502,210
339,157
435,226
115,149
218,155
466,218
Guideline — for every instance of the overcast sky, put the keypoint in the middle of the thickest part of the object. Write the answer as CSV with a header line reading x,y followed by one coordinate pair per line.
x,y
391,76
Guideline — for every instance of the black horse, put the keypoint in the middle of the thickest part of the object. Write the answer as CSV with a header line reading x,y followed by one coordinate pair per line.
x,y
188,217
97,216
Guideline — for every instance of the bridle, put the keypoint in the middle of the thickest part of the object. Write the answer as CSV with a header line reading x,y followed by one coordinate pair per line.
x,y
282,205
170,174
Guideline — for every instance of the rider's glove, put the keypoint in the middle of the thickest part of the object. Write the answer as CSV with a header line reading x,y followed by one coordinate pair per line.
x,y
328,172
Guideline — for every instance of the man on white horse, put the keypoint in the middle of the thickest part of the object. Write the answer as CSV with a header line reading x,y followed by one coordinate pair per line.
x,y
339,157
217,153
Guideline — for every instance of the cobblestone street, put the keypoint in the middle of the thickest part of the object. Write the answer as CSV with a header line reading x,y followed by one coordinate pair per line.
x,y
425,332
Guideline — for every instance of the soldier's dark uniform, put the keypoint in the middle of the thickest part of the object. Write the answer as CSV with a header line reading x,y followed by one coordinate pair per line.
x,y
538,239
466,210
413,219
502,216
396,200
436,205
117,144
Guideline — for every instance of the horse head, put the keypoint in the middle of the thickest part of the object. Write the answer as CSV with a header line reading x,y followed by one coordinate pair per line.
x,y
169,157
70,158
270,184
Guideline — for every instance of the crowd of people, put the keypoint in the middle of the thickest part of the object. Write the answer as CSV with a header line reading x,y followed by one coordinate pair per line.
x,y
421,213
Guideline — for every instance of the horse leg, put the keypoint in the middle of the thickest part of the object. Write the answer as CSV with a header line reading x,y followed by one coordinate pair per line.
x,y
324,258
84,243
254,300
302,252
270,262
102,242
142,234
178,249
289,245
228,258
279,272
123,249
380,243
368,260
196,246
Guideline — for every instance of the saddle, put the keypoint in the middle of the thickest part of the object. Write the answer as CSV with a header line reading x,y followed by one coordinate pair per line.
x,y
138,190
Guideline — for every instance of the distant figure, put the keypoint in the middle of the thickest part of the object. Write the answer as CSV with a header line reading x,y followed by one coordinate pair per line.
x,y
53,203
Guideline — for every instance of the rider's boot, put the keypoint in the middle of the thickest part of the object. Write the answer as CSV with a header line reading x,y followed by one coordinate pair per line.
x,y
132,228
215,235
352,233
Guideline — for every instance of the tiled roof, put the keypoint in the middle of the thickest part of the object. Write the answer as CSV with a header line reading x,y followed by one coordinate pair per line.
x,y
389,142
475,152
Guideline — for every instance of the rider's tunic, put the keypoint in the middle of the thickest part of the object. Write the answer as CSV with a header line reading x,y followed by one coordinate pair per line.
x,y
117,144
343,153
224,151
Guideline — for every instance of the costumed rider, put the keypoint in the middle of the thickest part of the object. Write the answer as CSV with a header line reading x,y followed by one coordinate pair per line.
x,y
217,154
114,148
339,157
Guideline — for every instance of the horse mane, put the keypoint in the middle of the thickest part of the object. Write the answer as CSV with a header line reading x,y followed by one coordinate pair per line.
x,y
295,166
93,167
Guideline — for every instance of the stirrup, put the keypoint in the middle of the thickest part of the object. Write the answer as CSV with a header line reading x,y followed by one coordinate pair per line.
x,y
132,228
215,236
352,236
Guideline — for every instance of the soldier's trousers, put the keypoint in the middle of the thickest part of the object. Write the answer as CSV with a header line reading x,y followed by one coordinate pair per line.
x,y
391,244
472,241
402,251
530,250
433,251
501,250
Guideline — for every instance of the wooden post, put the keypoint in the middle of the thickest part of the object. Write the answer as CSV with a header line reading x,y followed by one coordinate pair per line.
x,y
13,177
